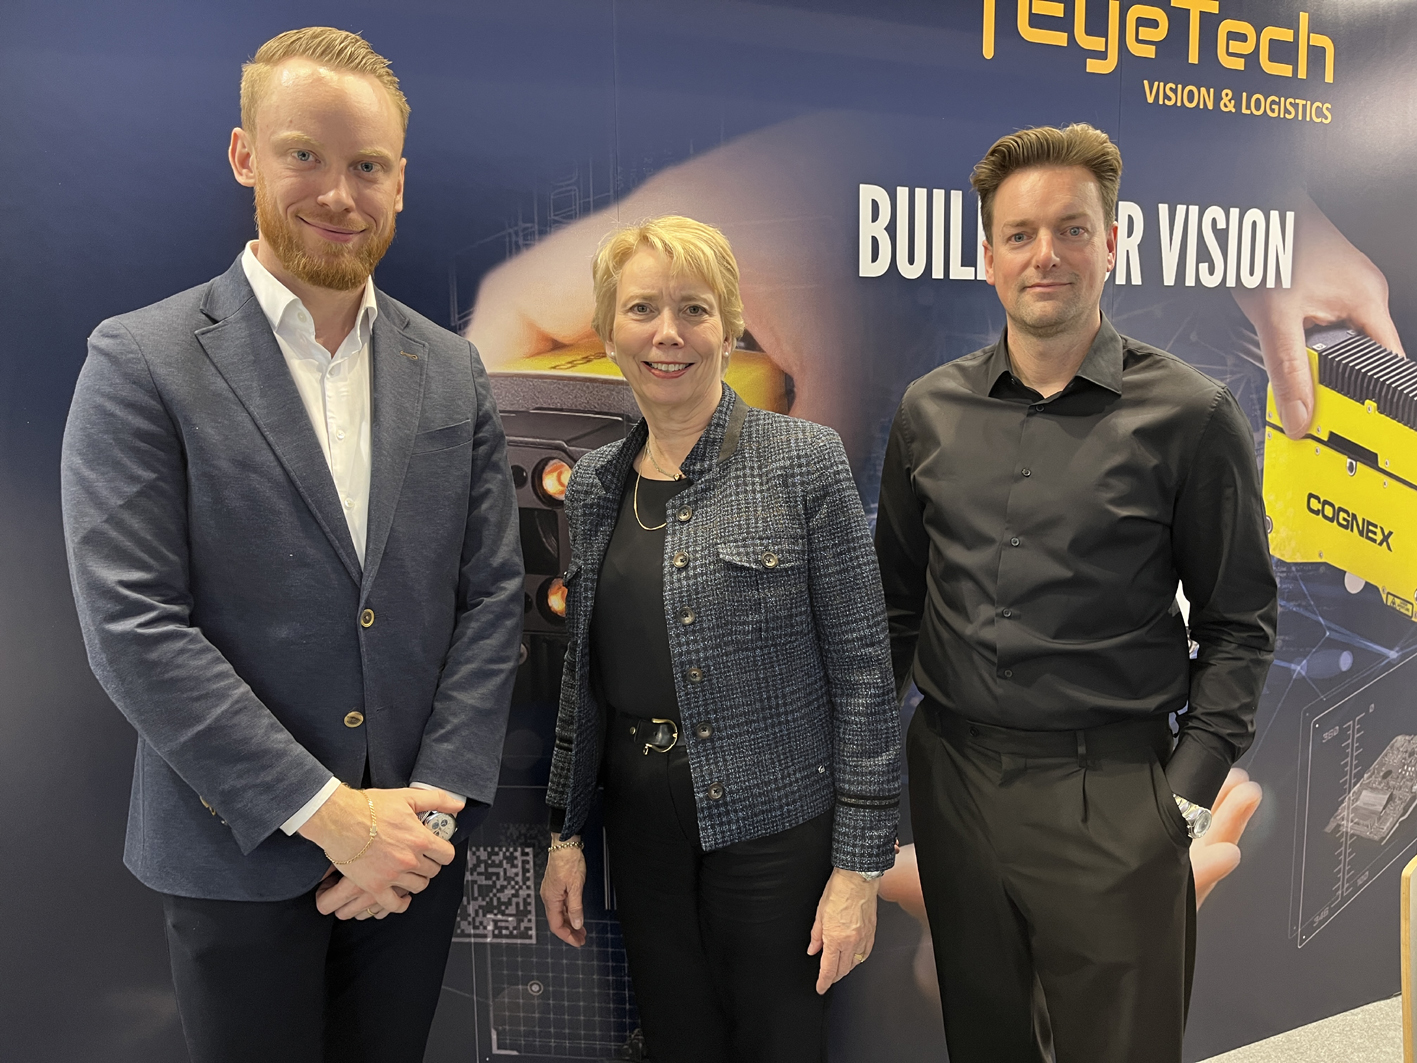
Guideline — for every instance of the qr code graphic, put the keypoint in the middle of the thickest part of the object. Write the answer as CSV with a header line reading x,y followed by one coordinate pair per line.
x,y
499,896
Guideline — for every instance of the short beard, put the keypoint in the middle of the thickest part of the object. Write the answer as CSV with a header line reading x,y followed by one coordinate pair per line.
x,y
340,268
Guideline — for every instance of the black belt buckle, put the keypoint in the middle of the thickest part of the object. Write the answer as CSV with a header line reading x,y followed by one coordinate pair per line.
x,y
660,726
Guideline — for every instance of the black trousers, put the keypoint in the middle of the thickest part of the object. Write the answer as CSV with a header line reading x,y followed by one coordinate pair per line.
x,y
1053,861
716,941
278,982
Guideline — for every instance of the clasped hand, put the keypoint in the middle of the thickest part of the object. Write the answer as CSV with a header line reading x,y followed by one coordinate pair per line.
x,y
398,863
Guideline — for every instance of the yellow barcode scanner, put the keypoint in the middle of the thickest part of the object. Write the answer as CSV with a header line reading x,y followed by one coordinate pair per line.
x,y
1346,494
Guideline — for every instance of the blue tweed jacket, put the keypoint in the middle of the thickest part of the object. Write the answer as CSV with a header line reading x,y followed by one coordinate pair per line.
x,y
777,631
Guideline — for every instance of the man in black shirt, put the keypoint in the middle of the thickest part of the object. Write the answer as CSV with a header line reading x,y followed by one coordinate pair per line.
x,y
1041,499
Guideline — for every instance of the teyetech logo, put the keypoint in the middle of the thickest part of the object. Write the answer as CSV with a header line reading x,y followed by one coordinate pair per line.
x,y
1283,51
1349,521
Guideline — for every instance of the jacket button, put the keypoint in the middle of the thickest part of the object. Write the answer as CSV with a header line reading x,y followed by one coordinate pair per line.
x,y
769,559
696,675
681,559
1008,613
715,791
353,719
703,730
1028,472
1013,541
366,618
1008,673
684,514
686,616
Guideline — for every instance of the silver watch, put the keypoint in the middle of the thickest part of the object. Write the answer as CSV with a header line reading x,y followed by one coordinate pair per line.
x,y
1197,817
443,824
870,876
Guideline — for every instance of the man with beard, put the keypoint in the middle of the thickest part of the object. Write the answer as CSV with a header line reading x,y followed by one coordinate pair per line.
x,y
293,541
1041,498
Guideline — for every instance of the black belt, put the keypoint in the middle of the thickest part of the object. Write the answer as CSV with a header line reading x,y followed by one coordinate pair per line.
x,y
658,735
1121,739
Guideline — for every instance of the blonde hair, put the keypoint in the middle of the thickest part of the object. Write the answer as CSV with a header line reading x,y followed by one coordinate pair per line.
x,y
337,49
691,247
1078,145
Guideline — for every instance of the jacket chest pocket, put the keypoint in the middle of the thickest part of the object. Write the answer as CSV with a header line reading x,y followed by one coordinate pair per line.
x,y
765,582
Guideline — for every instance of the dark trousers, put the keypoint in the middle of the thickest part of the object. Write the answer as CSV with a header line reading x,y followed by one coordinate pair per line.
x,y
278,982
716,941
1053,861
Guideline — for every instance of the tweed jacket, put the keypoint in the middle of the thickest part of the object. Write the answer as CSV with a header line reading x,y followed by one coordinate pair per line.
x,y
226,612
777,634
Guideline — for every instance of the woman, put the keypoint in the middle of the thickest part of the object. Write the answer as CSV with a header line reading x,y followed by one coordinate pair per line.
x,y
728,679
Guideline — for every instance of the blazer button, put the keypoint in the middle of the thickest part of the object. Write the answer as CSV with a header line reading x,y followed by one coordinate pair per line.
x,y
686,616
716,791
366,618
703,730
681,559
685,514
353,719
696,675
769,559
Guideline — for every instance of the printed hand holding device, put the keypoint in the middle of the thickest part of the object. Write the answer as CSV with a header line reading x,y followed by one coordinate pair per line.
x,y
1346,494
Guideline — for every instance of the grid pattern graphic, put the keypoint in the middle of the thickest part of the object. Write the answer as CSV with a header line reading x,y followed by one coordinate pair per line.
x,y
552,1001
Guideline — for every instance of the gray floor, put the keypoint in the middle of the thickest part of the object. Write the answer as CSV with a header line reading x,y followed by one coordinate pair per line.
x,y
1370,1034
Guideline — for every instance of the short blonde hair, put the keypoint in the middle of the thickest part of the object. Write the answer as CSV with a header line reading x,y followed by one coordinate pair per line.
x,y
691,247
1078,145
337,49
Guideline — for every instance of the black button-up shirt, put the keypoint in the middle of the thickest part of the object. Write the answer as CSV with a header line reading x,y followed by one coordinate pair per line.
x,y
1031,548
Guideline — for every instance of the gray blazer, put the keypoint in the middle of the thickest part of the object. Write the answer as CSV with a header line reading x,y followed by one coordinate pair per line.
x,y
777,631
223,606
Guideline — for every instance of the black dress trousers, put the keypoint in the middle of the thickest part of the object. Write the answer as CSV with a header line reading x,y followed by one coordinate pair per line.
x,y
716,941
278,982
1053,860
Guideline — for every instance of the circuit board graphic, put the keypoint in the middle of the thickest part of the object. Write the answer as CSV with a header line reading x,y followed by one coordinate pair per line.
x,y
1383,797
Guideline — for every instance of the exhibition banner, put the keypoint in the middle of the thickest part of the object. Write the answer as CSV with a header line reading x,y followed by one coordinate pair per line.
x,y
1265,233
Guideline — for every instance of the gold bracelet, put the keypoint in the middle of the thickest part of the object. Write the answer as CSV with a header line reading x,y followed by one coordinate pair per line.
x,y
373,833
574,843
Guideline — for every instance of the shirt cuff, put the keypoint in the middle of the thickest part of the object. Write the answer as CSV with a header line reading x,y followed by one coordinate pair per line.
x,y
430,786
310,807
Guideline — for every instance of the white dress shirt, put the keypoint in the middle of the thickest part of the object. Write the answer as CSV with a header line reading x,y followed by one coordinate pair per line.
x,y
336,393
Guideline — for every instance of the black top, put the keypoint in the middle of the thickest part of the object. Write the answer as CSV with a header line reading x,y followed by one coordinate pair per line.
x,y
628,641
1030,550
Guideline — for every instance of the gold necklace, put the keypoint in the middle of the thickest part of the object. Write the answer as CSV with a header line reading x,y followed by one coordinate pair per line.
x,y
635,504
649,449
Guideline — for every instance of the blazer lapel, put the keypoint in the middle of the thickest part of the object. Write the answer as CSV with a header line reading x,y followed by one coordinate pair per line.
x,y
396,385
244,350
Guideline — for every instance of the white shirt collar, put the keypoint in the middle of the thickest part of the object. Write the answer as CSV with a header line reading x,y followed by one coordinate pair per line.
x,y
283,308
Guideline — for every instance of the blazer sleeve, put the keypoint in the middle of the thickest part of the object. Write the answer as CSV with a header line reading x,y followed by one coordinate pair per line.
x,y
124,494
850,618
462,741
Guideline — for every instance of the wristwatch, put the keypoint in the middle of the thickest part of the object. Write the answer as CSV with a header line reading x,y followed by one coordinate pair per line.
x,y
1197,818
443,824
870,876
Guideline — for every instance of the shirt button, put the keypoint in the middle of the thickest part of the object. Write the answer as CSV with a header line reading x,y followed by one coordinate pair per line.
x,y
1028,472
353,719
349,503
1037,409
716,791
686,616
696,675
1008,613
1013,541
684,514
366,618
704,730
339,434
769,559
681,559
1008,673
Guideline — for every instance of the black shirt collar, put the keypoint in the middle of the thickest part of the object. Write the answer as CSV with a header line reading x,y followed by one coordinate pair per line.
x,y
1101,366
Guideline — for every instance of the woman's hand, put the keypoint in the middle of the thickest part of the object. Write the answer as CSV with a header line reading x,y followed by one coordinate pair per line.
x,y
845,929
561,889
